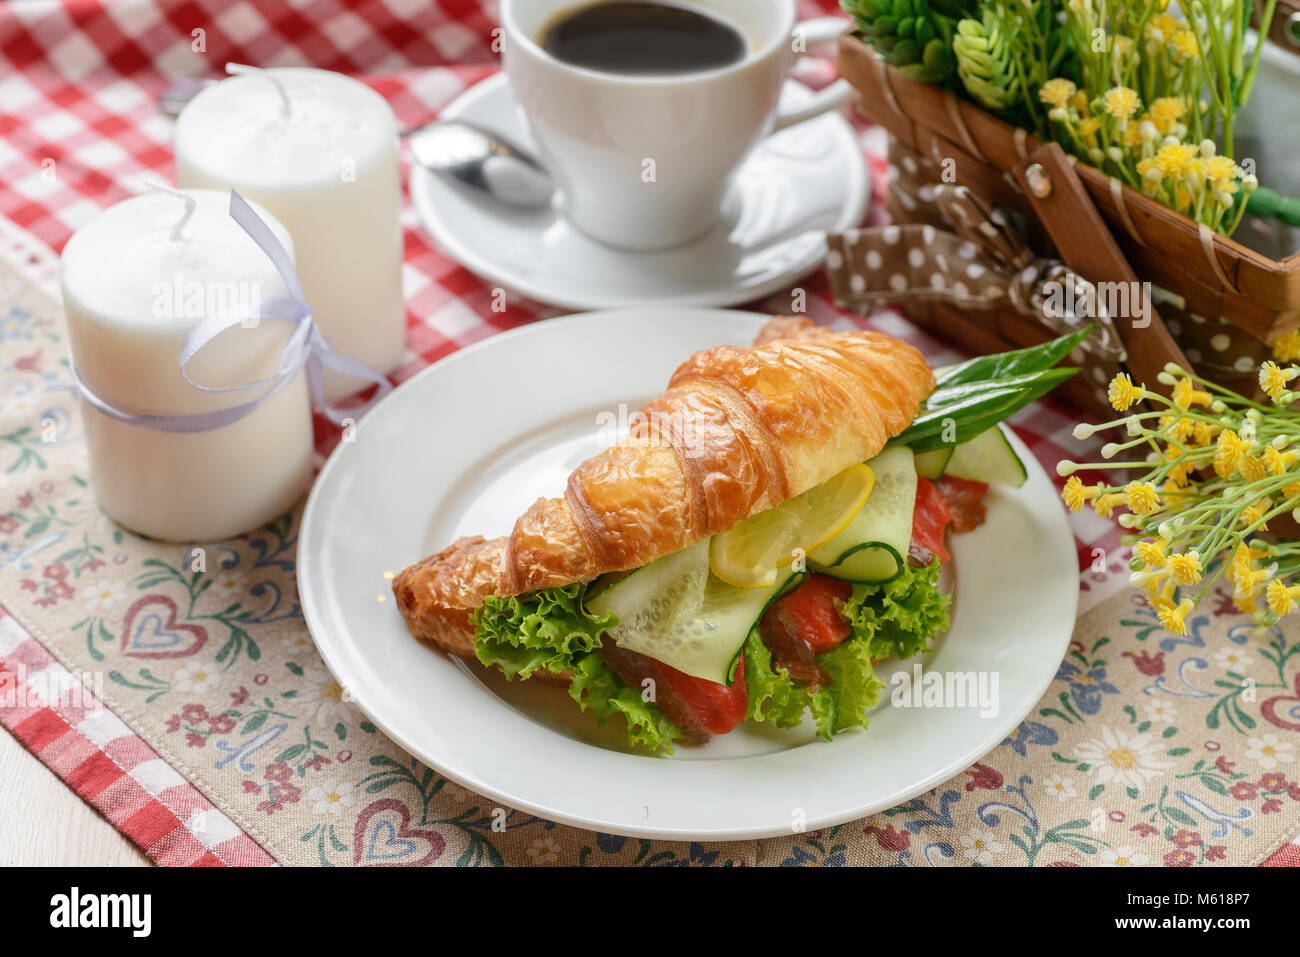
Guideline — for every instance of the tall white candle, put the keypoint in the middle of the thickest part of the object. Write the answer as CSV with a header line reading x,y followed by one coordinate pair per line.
x,y
319,150
136,279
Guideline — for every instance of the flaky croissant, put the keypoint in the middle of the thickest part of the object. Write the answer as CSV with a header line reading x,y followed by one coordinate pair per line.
x,y
738,430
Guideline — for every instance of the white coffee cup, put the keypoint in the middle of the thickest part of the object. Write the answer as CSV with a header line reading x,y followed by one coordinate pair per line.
x,y
644,162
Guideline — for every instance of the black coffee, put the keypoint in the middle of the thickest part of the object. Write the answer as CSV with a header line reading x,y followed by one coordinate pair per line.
x,y
626,36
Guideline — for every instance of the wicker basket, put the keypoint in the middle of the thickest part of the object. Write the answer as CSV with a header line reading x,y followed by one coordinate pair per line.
x,y
1207,275
1285,29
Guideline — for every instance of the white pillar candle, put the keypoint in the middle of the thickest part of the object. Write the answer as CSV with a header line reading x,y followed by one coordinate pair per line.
x,y
134,285
319,150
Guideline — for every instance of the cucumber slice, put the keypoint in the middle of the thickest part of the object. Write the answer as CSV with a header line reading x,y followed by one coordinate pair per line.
x,y
674,611
873,546
989,458
932,464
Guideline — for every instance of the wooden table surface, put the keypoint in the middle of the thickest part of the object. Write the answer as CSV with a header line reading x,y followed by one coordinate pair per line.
x,y
43,822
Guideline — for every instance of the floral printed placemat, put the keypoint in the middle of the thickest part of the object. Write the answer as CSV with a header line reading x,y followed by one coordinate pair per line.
x,y
1148,748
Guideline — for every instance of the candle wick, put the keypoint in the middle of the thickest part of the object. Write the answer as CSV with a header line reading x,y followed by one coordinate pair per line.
x,y
239,69
190,205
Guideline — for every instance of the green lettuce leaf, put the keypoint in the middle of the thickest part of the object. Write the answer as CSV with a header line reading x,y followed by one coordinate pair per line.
x,y
774,696
895,619
899,617
597,686
554,631
781,701
522,634
855,689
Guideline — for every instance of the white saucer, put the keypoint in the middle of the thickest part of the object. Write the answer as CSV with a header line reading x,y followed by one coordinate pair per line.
x,y
795,187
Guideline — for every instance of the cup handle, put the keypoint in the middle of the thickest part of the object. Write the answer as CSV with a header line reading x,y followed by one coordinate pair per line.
x,y
813,32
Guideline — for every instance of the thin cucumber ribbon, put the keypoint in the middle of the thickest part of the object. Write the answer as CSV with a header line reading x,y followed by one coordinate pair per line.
x,y
306,350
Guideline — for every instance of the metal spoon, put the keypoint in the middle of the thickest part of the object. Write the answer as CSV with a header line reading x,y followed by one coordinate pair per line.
x,y
482,159
462,151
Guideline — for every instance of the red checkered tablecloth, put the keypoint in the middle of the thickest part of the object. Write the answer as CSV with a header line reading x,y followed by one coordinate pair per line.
x,y
80,130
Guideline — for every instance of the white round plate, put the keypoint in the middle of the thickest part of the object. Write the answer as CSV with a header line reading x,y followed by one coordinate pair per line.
x,y
796,186
467,445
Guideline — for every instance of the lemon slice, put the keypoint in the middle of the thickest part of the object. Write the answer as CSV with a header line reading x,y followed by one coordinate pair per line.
x,y
750,554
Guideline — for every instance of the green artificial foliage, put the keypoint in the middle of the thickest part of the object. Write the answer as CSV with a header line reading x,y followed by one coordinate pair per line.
x,y
913,35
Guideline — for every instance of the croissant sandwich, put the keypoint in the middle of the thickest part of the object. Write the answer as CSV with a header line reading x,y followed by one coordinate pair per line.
x,y
773,524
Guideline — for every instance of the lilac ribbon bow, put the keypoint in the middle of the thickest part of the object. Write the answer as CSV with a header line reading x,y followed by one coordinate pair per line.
x,y
306,350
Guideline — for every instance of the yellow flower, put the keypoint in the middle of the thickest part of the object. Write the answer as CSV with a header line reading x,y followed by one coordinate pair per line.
x,y
1205,432
1184,44
1179,475
1281,599
1185,569
1104,505
1167,111
1076,494
1179,429
1228,451
1291,491
1246,580
1187,395
1246,585
1088,127
1287,348
1161,598
1172,160
1273,379
1056,92
1252,468
1278,462
1220,169
1123,393
1150,186
1245,553
1158,578
1152,553
1243,558
1253,515
1161,28
1174,618
1080,102
1141,498
1121,102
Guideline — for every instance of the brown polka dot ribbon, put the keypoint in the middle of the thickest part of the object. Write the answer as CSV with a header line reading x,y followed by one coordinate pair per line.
x,y
981,263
